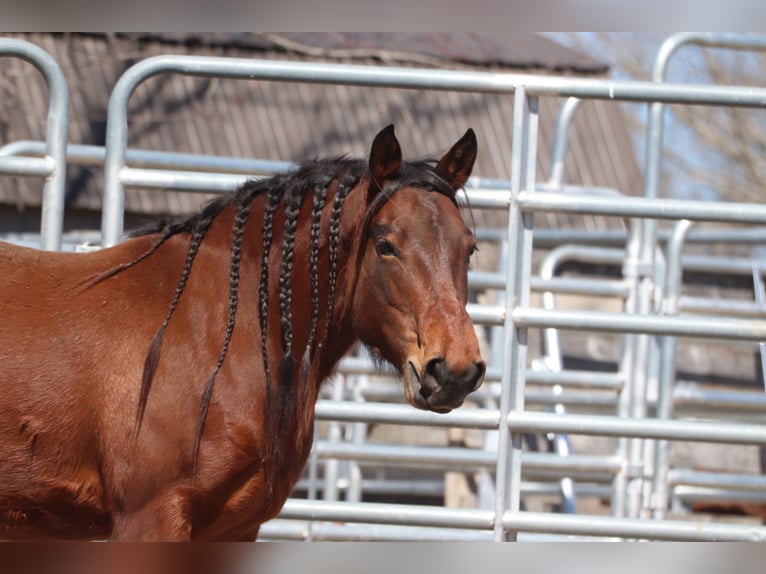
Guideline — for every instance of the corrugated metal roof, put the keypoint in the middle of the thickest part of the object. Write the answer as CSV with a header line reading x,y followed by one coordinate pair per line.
x,y
287,121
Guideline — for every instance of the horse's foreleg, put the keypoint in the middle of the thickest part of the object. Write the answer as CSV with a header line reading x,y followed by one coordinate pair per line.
x,y
165,518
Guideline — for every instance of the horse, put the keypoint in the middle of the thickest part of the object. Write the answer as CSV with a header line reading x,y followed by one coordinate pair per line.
x,y
109,424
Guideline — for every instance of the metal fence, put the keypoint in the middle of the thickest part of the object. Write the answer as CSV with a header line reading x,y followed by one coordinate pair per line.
x,y
635,478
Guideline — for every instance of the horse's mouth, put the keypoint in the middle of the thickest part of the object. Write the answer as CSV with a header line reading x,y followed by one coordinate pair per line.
x,y
419,399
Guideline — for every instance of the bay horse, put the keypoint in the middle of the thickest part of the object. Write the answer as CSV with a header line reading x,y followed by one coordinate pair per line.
x,y
109,426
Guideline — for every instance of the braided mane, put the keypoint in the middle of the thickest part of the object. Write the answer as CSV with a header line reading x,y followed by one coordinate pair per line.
x,y
286,190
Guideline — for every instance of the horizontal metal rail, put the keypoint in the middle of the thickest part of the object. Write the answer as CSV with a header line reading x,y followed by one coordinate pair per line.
x,y
684,430
656,208
405,515
608,322
94,155
347,411
596,425
427,487
280,529
427,516
717,480
632,528
460,458
27,166
486,314
692,494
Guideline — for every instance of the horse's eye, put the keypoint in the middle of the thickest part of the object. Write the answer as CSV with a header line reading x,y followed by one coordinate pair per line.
x,y
473,249
384,248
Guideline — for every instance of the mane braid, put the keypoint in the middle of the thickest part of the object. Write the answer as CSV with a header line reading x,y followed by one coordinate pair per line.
x,y
345,185
293,200
320,196
321,189
203,223
285,396
272,202
243,210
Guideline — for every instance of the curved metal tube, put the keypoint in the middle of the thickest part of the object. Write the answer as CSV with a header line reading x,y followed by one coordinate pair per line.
x,y
52,223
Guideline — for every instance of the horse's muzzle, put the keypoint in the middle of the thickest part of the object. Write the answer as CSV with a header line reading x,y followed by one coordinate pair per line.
x,y
439,388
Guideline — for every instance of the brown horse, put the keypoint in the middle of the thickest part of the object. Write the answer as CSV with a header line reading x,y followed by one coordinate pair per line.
x,y
107,428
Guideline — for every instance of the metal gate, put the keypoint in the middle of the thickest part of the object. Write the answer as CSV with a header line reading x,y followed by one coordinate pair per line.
x,y
635,478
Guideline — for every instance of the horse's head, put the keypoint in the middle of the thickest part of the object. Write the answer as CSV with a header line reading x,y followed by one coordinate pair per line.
x,y
412,283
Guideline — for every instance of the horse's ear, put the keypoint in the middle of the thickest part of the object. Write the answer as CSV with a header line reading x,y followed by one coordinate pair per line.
x,y
457,163
385,156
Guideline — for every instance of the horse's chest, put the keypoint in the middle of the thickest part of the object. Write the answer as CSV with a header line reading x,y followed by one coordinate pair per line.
x,y
261,496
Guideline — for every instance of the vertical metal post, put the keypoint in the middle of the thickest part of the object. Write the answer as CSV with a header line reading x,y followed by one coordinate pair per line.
x,y
486,482
359,438
523,165
673,277
335,434
112,212
627,362
52,219
561,140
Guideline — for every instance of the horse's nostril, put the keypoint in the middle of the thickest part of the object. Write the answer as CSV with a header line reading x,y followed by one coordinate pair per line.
x,y
477,376
434,367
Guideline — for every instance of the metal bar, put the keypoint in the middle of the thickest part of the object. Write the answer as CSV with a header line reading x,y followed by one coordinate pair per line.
x,y
717,480
632,528
740,402
52,221
570,285
693,431
405,414
672,290
424,516
691,494
447,80
94,155
608,322
199,182
486,314
27,166
713,305
561,140
281,529
547,238
656,208
387,514
459,458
